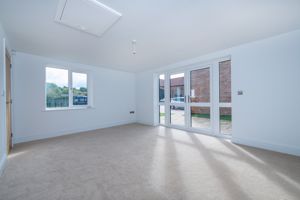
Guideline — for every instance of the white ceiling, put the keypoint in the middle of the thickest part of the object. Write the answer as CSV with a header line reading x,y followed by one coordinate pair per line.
x,y
166,31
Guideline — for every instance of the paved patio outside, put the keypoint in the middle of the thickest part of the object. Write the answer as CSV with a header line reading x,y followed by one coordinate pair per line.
x,y
177,118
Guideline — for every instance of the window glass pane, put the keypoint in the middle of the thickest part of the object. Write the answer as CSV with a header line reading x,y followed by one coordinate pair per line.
x,y
57,90
162,88
177,88
225,81
225,120
162,114
177,115
200,85
200,117
79,87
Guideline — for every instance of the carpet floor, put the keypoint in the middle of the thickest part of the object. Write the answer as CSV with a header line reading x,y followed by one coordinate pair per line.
x,y
137,162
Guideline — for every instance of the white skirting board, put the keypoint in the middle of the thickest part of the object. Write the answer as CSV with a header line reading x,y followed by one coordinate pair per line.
x,y
145,123
269,146
68,132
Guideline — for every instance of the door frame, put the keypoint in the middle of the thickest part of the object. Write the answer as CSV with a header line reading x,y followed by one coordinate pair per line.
x,y
8,102
214,103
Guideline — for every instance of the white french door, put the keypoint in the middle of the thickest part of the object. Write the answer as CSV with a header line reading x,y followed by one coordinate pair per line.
x,y
199,106
197,99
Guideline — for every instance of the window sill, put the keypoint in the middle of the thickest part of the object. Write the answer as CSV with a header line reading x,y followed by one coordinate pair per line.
x,y
68,108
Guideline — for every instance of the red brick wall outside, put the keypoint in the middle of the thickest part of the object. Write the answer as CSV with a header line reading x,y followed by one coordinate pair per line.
x,y
225,85
225,111
200,84
200,110
225,81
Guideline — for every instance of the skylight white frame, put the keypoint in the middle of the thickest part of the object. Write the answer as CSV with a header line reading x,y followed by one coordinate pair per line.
x,y
60,9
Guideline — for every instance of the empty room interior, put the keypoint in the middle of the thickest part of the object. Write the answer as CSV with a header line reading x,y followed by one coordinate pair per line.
x,y
149,100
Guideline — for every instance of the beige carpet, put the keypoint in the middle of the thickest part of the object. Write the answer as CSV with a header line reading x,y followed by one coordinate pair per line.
x,y
142,162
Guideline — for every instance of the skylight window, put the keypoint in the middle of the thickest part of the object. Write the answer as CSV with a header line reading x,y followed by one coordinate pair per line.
x,y
89,16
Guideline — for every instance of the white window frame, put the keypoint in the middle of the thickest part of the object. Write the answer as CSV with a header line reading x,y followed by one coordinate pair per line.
x,y
70,83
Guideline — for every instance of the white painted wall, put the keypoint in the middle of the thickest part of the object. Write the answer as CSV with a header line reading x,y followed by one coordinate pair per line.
x,y
144,92
113,92
268,71
3,140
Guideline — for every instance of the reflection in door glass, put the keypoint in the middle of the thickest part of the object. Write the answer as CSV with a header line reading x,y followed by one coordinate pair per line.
x,y
200,85
200,117
177,115
225,120
162,114
162,88
177,88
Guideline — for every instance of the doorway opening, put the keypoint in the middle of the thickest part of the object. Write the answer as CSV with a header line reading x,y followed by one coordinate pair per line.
x,y
8,101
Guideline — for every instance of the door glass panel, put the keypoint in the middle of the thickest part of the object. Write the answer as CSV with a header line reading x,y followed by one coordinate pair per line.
x,y
225,97
200,117
162,88
200,85
225,81
177,115
162,114
177,88
225,120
